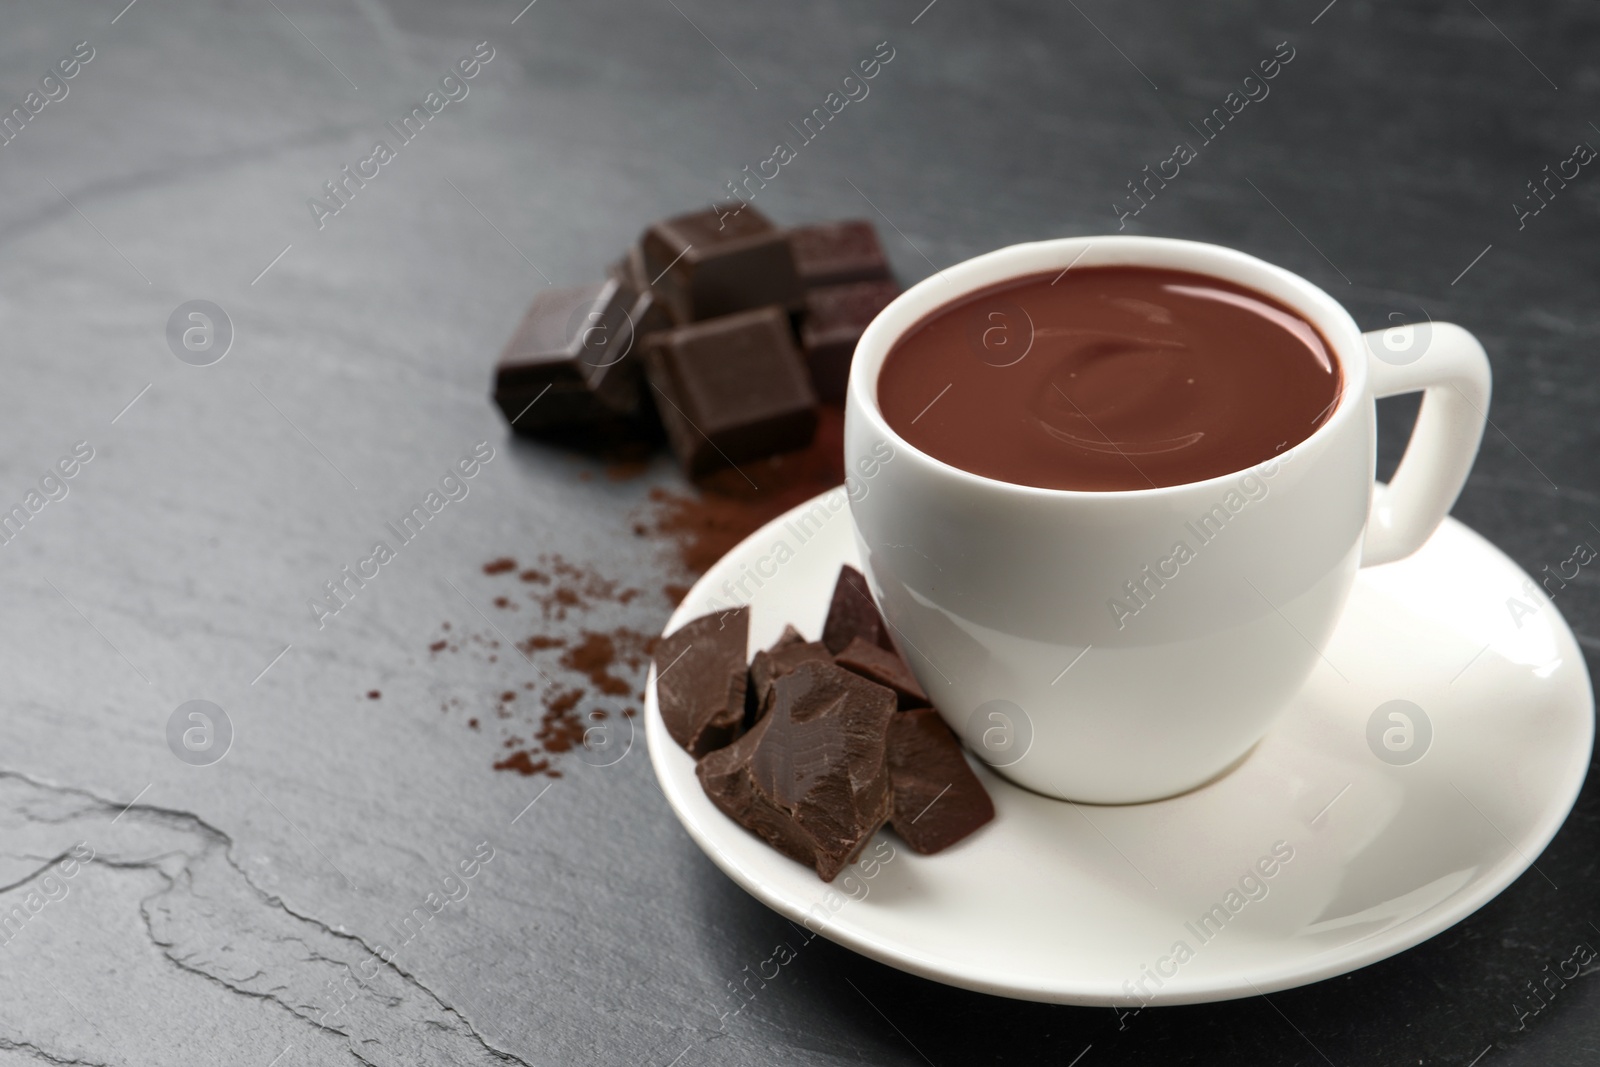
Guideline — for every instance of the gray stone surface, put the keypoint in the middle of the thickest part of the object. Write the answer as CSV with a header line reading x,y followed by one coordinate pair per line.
x,y
220,906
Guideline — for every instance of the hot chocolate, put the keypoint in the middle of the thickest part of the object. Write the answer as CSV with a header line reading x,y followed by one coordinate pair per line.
x,y
1109,378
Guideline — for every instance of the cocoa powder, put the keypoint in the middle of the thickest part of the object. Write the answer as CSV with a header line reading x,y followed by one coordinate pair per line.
x,y
701,527
610,662
524,764
606,667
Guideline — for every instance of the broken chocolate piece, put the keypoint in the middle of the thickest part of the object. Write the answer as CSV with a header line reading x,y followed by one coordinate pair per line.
x,y
715,262
853,614
753,708
571,361
877,664
701,678
629,269
835,317
771,664
731,389
834,253
649,312
790,636
937,798
811,779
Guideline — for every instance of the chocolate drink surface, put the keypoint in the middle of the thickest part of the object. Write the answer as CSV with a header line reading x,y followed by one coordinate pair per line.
x,y
1109,378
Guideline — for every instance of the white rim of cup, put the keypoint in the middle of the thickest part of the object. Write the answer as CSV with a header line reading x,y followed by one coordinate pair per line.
x,y
1035,258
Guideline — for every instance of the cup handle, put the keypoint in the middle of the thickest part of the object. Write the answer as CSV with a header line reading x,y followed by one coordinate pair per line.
x,y
1449,365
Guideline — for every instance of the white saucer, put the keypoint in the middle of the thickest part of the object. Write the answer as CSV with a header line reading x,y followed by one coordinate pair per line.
x,y
1066,903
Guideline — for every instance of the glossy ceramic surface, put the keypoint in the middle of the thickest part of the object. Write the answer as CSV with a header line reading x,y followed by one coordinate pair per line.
x,y
1127,646
1128,905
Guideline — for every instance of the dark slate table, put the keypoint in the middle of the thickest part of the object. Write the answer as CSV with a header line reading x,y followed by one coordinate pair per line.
x,y
224,898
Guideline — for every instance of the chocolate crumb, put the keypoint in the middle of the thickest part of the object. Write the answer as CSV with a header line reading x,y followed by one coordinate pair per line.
x,y
571,587
373,694
610,663
595,658
564,702
541,641
524,765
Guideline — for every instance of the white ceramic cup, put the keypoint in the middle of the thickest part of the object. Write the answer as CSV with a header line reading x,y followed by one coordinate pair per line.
x,y
1004,598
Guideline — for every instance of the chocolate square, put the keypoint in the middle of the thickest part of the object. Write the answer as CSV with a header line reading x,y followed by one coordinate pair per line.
x,y
701,678
834,319
877,664
731,389
725,259
852,614
937,798
834,253
571,360
811,778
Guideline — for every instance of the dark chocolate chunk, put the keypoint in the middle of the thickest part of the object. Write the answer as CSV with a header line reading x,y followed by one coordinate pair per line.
x,y
571,360
853,614
835,317
629,269
752,702
877,664
649,312
811,779
770,664
790,636
725,259
731,389
700,680
937,798
833,253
